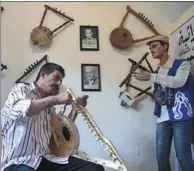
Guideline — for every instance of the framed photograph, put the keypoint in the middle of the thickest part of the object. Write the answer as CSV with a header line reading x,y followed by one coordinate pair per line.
x,y
89,39
91,80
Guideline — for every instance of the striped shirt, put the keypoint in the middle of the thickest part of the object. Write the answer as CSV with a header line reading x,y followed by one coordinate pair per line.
x,y
25,139
169,81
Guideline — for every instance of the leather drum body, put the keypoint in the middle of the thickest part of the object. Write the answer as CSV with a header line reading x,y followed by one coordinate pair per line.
x,y
65,136
41,35
121,38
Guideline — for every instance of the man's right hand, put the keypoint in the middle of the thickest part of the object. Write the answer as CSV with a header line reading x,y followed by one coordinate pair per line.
x,y
64,98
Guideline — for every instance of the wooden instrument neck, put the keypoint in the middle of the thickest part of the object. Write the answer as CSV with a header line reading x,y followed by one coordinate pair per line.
x,y
123,20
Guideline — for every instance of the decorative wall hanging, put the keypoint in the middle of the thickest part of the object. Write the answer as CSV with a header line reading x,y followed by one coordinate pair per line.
x,y
2,9
89,39
91,80
72,139
121,38
126,97
31,68
42,35
3,67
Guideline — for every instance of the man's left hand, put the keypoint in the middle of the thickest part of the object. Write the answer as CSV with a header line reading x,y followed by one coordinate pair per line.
x,y
142,75
82,100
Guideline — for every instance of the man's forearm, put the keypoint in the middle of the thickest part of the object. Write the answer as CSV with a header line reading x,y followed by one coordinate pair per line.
x,y
41,104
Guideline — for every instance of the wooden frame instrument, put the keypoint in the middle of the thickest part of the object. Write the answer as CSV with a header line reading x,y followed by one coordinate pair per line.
x,y
122,38
42,35
127,98
116,162
3,67
31,68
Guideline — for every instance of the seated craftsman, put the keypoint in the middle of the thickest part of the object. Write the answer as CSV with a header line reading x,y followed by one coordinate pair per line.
x,y
26,130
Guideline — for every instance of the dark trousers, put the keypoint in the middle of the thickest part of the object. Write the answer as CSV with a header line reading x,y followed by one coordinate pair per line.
x,y
181,131
75,164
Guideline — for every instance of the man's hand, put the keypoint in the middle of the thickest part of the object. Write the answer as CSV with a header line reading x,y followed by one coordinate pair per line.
x,y
82,100
142,75
64,98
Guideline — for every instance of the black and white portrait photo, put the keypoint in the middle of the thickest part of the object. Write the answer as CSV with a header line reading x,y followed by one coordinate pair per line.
x,y
91,77
89,39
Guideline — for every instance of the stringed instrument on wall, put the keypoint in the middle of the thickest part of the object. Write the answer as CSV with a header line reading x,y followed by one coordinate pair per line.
x,y
42,35
122,38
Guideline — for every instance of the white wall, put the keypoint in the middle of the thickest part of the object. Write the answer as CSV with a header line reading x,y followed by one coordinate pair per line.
x,y
132,130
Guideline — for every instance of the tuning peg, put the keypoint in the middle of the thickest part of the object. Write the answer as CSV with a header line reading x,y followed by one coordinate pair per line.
x,y
114,158
107,148
103,143
110,154
98,138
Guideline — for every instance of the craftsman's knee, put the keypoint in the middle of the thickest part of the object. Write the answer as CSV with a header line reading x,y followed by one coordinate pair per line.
x,y
95,167
100,168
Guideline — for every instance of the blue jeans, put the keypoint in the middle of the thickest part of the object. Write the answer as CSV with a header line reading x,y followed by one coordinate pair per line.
x,y
181,131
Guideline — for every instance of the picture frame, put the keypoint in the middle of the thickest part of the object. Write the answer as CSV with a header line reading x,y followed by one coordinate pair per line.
x,y
91,77
89,38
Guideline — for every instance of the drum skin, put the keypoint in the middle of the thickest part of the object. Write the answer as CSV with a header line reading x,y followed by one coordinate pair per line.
x,y
41,35
65,136
121,38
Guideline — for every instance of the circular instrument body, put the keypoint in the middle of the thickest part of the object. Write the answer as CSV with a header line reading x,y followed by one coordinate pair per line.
x,y
41,35
121,38
65,136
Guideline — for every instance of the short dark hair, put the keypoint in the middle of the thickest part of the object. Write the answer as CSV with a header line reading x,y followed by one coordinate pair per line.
x,y
163,43
49,68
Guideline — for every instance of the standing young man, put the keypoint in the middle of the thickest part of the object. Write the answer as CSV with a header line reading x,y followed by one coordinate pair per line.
x,y
173,85
26,129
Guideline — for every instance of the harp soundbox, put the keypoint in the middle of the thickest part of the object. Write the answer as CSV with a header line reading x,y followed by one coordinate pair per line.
x,y
67,142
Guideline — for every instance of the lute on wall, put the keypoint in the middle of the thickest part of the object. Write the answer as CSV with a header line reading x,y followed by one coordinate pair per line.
x,y
122,38
42,35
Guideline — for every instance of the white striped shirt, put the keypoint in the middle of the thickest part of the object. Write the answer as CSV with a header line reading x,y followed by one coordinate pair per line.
x,y
25,139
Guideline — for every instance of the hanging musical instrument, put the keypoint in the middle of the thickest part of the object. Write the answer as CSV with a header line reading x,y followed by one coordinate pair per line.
x,y
3,67
116,162
42,35
2,9
122,38
127,98
31,68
